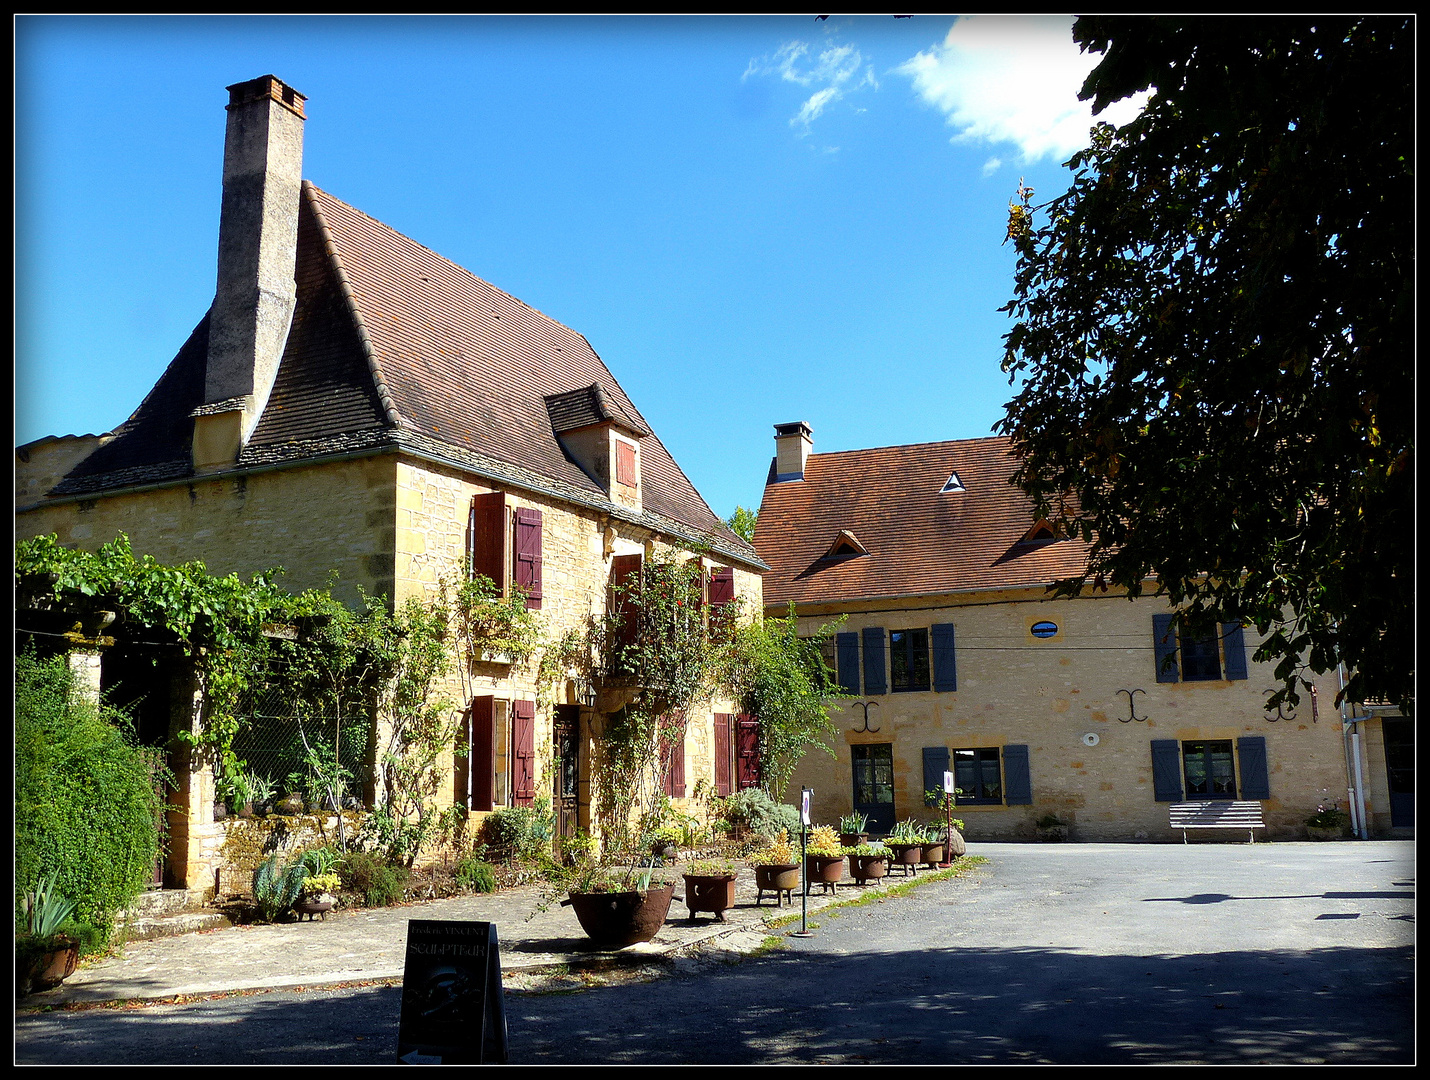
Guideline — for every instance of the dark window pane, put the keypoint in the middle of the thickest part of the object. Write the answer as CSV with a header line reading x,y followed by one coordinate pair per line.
x,y
909,659
1199,659
977,776
1209,770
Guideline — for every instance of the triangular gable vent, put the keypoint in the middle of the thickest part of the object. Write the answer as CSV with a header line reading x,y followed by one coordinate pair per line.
x,y
954,484
846,546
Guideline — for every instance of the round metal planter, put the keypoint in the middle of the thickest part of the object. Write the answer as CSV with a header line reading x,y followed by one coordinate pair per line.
x,y
715,894
615,920
867,868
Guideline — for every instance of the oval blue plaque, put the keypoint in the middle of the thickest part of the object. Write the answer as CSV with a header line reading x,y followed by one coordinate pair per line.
x,y
1045,629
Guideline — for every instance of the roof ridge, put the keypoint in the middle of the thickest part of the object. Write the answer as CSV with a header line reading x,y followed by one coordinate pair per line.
x,y
438,255
335,260
912,446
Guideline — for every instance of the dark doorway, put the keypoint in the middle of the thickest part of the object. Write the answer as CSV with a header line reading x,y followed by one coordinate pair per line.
x,y
140,680
874,785
1399,738
566,783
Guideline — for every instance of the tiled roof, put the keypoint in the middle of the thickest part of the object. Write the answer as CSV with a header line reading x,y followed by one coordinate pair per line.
x,y
577,409
920,542
388,340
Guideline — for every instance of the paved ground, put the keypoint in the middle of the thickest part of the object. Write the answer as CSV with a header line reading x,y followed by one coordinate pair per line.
x,y
1079,953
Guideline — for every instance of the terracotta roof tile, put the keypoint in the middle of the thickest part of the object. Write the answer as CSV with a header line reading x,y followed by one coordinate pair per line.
x,y
920,541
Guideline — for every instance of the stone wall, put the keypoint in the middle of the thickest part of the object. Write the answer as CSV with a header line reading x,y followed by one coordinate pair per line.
x,y
247,842
1047,693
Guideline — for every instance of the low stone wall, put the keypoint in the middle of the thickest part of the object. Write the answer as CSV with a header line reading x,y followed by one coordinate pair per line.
x,y
249,841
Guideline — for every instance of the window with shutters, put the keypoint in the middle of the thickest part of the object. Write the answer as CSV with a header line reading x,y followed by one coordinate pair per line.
x,y
1209,770
908,660
1187,658
625,463
978,776
721,592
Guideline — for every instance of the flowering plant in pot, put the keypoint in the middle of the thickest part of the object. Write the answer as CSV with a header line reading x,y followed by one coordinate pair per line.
x,y
824,857
906,843
776,867
710,886
1328,822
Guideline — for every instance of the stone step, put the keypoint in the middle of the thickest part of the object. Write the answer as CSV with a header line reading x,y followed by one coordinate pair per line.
x,y
160,902
162,926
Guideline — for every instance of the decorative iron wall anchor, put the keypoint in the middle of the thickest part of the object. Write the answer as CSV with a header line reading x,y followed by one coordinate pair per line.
x,y
865,706
1279,714
1132,706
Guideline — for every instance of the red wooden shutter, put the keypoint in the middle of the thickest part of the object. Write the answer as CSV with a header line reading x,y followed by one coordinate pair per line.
x,y
523,759
721,592
722,753
486,538
747,752
675,772
481,760
625,464
625,578
528,555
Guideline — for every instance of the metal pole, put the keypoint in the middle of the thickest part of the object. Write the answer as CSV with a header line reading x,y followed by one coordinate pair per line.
x,y
804,930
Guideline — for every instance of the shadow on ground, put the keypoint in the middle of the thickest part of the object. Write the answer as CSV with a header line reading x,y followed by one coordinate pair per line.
x,y
937,1006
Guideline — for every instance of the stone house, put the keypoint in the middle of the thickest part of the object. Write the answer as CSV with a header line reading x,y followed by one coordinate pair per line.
x,y
354,402
1089,709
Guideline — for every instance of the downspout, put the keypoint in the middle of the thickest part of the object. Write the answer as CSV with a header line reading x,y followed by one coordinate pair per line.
x,y
1353,759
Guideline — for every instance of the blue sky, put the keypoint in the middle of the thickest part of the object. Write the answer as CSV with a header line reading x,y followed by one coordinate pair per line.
x,y
752,220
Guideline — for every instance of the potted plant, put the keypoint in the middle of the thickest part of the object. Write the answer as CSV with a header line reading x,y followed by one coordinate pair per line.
x,y
291,804
776,868
618,909
823,858
1327,823
261,792
237,793
906,844
47,949
935,845
1051,828
664,841
868,862
317,896
710,886
851,829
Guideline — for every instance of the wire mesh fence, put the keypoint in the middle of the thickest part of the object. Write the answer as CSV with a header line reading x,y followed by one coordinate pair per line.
x,y
274,724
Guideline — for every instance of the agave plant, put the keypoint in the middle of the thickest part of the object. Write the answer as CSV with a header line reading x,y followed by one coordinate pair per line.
x,y
45,909
276,889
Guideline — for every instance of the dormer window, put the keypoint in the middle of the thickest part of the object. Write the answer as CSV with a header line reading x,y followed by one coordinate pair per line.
x,y
954,484
1041,533
846,546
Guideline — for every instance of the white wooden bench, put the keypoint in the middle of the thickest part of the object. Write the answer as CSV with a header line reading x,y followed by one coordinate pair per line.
x,y
1217,814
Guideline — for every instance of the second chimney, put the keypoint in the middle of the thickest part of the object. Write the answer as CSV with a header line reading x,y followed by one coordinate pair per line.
x,y
793,443
257,251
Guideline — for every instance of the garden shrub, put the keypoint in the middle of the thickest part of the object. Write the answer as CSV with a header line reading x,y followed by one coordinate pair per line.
x,y
476,875
380,883
756,811
520,833
85,804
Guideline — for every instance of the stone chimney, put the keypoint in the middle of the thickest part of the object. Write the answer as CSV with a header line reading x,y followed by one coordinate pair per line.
x,y
257,250
793,443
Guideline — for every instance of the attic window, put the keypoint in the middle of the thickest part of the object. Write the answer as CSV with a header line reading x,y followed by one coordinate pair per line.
x,y
954,484
846,546
1041,533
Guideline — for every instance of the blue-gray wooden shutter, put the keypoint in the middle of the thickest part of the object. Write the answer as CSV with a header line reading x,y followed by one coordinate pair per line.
x,y
874,681
945,673
1235,646
1166,770
1251,756
1017,781
1164,641
847,659
935,765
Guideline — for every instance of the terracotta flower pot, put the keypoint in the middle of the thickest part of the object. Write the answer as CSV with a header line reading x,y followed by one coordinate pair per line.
x,y
615,920
48,970
866,868
712,893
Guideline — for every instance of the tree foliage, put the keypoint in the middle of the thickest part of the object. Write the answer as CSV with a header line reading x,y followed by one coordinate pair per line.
x,y
1214,335
742,523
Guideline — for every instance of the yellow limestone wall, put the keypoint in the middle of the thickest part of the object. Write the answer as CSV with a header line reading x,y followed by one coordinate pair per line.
x,y
1014,688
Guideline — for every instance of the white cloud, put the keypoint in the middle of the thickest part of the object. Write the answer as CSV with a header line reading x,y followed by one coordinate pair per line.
x,y
1013,79
992,165
834,72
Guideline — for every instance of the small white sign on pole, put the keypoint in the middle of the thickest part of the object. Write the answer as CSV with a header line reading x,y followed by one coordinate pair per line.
x,y
947,782
804,806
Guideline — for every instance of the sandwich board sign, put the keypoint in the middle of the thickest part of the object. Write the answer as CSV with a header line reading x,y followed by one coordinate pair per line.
x,y
452,1010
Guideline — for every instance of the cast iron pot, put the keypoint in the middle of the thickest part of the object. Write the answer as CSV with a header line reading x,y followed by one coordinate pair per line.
x,y
933,854
905,855
615,920
826,868
710,892
866,868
